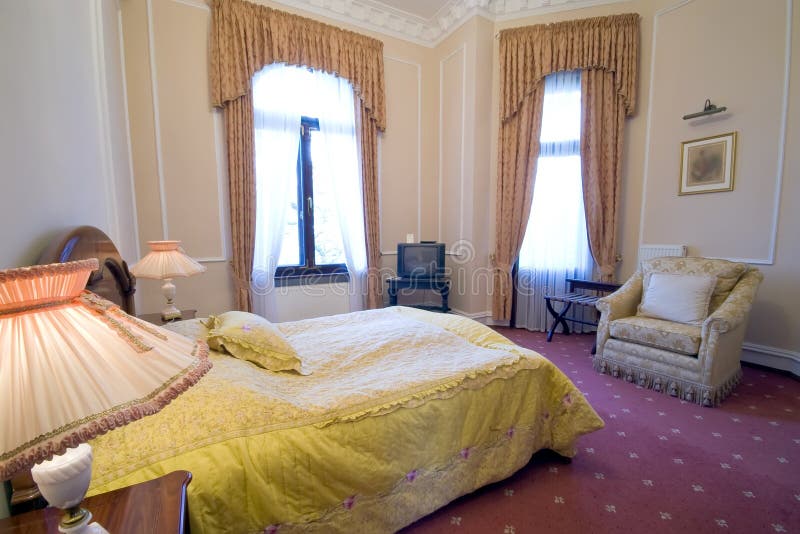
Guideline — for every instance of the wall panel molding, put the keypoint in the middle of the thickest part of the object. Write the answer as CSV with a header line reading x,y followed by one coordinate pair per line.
x,y
418,67
773,232
128,141
194,3
773,238
104,120
219,137
380,188
222,189
463,50
151,42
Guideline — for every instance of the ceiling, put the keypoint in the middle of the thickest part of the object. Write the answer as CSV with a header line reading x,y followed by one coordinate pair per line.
x,y
424,9
428,22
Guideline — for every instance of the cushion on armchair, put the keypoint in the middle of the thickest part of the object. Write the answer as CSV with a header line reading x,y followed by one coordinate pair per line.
x,y
727,273
682,298
676,337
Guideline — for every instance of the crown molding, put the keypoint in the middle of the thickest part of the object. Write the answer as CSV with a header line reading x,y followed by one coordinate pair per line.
x,y
378,17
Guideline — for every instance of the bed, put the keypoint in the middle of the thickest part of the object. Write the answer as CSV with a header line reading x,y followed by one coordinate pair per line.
x,y
397,412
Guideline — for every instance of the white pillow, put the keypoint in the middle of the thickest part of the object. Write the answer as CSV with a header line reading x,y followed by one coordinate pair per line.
x,y
680,298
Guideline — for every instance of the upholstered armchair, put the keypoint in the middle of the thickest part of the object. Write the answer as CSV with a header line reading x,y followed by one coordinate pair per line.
x,y
677,326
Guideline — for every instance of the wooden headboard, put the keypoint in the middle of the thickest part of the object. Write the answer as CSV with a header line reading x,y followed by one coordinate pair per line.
x,y
113,280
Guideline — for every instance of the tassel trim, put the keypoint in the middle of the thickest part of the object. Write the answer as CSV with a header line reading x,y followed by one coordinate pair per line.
x,y
56,442
687,390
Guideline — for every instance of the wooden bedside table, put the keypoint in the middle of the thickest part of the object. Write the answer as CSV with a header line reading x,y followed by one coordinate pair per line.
x,y
439,284
157,507
155,318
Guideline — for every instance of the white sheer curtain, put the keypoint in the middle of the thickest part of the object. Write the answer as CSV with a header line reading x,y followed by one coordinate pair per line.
x,y
281,96
555,246
277,136
336,161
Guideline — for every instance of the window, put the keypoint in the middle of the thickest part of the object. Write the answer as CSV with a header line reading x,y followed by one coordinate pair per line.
x,y
309,209
312,239
556,237
555,246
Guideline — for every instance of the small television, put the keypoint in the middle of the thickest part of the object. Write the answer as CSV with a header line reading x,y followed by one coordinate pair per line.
x,y
420,260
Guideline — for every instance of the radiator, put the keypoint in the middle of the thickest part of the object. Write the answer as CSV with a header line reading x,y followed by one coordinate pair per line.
x,y
654,251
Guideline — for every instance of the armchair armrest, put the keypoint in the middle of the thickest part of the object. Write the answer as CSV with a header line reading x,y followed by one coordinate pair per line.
x,y
622,302
733,312
723,332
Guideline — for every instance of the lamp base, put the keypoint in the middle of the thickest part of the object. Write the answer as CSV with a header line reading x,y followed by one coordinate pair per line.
x,y
170,313
63,481
83,526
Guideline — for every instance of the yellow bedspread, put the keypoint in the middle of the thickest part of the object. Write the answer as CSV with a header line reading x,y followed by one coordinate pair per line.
x,y
404,410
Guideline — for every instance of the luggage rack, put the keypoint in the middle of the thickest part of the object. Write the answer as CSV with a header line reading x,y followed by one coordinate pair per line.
x,y
592,292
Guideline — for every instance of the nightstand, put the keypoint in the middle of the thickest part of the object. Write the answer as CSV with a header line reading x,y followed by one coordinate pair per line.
x,y
155,318
403,285
157,506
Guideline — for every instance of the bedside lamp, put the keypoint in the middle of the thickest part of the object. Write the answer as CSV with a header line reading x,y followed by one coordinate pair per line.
x,y
165,261
74,366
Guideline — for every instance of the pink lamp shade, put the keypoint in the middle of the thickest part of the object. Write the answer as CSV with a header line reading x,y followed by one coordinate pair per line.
x,y
74,366
166,259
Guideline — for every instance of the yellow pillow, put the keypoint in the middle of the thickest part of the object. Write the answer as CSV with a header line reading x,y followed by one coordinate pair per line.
x,y
251,337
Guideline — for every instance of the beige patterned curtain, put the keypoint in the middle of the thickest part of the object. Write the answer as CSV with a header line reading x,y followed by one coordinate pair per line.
x,y
242,183
606,44
519,151
603,124
246,37
368,143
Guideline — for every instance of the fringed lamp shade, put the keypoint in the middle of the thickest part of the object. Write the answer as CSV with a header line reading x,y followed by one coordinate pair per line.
x,y
74,366
165,261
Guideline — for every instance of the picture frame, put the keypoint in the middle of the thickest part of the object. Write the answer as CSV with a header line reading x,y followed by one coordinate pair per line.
x,y
708,164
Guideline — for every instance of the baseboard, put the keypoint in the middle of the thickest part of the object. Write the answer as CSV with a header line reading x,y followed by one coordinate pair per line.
x,y
773,357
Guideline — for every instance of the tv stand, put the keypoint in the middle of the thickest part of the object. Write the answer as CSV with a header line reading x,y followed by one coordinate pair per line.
x,y
439,284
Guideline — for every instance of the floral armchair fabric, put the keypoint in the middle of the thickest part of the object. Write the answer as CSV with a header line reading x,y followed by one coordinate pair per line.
x,y
698,363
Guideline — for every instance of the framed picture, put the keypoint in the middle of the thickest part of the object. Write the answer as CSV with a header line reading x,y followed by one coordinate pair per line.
x,y
708,164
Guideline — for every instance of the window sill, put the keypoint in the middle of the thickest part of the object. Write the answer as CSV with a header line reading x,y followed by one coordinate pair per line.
x,y
311,279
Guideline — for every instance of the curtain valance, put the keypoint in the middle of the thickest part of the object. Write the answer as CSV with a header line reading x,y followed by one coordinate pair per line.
x,y
530,53
246,37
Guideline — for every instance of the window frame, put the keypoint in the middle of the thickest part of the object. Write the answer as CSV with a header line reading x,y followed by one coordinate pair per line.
x,y
308,271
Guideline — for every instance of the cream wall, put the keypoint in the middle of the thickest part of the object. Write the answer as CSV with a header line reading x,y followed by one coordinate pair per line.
x,y
464,91
686,46
408,174
177,146
63,139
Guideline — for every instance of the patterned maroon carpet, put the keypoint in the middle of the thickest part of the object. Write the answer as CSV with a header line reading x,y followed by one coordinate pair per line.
x,y
659,465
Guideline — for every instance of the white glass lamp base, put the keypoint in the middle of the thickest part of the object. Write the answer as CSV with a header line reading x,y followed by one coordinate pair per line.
x,y
171,312
63,481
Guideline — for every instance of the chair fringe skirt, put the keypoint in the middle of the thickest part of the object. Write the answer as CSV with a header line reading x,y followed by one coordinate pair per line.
x,y
684,389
